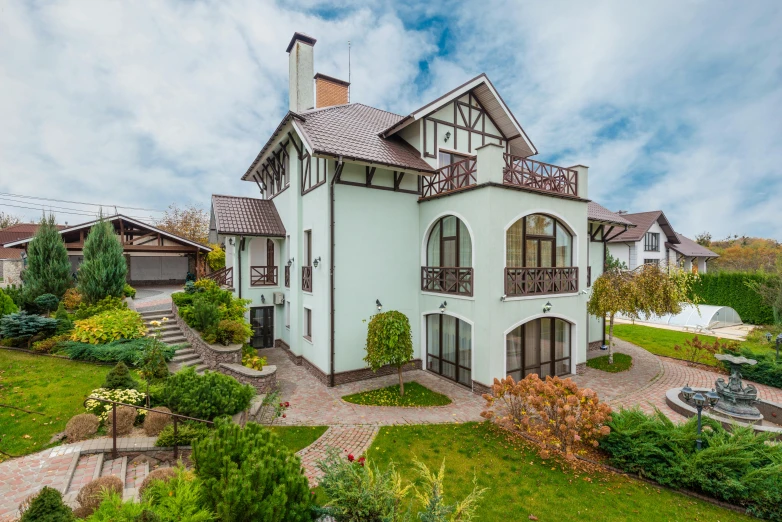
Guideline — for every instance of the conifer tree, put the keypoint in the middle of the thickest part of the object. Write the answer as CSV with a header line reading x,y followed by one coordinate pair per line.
x,y
103,271
48,269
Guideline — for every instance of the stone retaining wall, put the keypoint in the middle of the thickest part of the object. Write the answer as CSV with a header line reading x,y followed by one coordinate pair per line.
x,y
264,381
212,355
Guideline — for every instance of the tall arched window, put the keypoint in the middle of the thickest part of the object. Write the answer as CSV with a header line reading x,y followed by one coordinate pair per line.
x,y
540,346
448,258
539,257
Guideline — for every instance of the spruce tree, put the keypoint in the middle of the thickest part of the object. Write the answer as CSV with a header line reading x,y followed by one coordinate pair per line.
x,y
103,271
48,268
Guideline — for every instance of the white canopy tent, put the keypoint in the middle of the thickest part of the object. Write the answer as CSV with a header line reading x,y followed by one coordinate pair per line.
x,y
702,316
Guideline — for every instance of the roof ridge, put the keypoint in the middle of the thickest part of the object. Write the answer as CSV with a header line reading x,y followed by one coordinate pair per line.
x,y
237,197
351,104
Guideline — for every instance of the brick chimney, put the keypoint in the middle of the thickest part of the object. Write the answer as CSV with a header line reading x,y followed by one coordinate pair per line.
x,y
301,93
330,91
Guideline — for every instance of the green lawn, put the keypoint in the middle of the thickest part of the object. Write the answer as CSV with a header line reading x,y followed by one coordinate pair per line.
x,y
415,395
299,437
621,363
54,387
521,484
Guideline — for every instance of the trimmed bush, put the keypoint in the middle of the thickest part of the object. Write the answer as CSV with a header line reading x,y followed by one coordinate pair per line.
x,y
730,289
22,325
7,305
187,433
155,422
190,287
183,298
82,426
206,315
46,303
91,495
103,271
131,352
229,331
48,269
109,326
206,396
126,418
248,474
47,506
160,474
119,378
50,344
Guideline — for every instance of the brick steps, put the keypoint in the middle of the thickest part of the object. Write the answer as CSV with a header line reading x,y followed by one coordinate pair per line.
x,y
172,335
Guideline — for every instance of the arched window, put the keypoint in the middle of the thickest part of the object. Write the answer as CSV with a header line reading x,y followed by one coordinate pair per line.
x,y
540,346
448,267
539,257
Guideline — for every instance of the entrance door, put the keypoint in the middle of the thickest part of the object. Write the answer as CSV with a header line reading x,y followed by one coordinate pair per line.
x,y
449,347
262,322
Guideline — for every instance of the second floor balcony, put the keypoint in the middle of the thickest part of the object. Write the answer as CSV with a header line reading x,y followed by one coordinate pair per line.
x,y
263,276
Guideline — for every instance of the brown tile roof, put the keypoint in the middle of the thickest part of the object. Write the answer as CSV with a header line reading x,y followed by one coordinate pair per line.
x,y
642,222
246,216
689,248
352,131
10,253
19,231
597,212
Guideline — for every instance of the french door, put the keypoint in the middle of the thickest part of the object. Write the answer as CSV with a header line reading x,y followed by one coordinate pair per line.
x,y
262,323
449,348
541,346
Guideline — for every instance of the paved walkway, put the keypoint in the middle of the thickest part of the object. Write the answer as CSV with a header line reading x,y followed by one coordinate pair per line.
x,y
645,384
314,404
154,298
347,440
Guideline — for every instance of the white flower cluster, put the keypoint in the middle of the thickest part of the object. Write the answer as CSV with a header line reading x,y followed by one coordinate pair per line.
x,y
103,409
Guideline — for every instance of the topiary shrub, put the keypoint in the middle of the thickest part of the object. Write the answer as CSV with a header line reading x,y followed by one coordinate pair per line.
x,y
248,474
155,422
22,325
160,474
206,396
46,303
91,495
126,418
119,378
103,271
109,326
82,426
47,506
187,433
389,342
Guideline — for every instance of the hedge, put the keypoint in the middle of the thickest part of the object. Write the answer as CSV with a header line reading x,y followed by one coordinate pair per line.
x,y
730,289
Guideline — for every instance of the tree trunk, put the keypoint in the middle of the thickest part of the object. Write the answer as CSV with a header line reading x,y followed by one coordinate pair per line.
x,y
611,339
401,383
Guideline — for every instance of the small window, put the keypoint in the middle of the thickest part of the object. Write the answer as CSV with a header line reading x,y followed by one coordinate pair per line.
x,y
652,242
307,247
448,158
652,262
308,324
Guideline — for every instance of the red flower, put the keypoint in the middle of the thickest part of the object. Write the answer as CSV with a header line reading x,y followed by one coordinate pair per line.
x,y
287,404
283,415
362,459
351,458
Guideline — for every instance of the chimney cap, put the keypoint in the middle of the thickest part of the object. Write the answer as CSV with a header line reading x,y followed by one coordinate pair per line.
x,y
304,38
332,79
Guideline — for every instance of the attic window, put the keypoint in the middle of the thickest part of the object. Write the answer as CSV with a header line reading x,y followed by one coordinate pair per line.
x,y
652,242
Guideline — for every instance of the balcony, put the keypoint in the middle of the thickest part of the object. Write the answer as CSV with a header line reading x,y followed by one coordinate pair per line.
x,y
263,276
447,280
306,278
520,282
287,276
456,176
223,277
536,175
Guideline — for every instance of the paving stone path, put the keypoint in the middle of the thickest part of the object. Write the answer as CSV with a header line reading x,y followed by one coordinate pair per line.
x,y
347,440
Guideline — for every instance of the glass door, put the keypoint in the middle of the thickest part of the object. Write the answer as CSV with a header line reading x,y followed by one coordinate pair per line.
x,y
262,323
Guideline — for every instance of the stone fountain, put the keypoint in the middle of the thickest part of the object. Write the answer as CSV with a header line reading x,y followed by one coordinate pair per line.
x,y
736,399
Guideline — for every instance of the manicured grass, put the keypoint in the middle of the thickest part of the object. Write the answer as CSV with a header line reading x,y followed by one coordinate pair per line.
x,y
54,387
621,363
521,484
415,395
299,437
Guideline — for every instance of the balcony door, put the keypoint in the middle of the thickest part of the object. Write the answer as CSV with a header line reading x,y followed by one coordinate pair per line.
x,y
541,346
448,258
262,323
449,348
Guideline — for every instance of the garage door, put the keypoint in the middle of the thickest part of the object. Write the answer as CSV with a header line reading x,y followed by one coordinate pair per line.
x,y
158,268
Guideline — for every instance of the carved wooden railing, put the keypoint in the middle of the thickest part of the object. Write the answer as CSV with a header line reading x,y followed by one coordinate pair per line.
x,y
287,276
541,281
263,276
223,277
447,280
459,175
306,278
537,175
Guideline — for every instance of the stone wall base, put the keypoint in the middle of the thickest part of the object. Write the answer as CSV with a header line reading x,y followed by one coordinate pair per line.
x,y
594,345
581,368
479,388
264,381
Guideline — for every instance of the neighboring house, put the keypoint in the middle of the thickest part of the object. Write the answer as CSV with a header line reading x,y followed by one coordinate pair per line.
x,y
154,256
653,240
11,262
440,214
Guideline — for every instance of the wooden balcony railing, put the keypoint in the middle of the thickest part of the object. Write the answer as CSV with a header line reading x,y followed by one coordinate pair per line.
x,y
533,174
447,280
541,281
263,276
306,278
223,277
287,276
459,175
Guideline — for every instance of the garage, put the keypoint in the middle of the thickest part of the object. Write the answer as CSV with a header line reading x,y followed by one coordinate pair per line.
x,y
158,268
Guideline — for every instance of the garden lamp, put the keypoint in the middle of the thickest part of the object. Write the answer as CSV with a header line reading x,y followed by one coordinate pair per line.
x,y
768,337
712,397
779,341
687,393
709,400
699,401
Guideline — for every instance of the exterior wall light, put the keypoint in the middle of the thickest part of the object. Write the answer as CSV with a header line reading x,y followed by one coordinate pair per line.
x,y
378,304
263,298
442,307
230,241
503,297
547,307
290,261
316,262
447,137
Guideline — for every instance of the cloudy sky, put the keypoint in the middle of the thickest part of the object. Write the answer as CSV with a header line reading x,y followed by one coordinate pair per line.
x,y
674,105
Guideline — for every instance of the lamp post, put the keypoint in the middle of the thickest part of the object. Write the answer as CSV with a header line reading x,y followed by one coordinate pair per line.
x,y
779,342
709,400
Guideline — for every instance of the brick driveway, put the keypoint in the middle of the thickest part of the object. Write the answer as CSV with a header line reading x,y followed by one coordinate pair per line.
x,y
645,384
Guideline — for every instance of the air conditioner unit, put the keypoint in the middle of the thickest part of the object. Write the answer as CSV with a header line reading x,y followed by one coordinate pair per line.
x,y
279,298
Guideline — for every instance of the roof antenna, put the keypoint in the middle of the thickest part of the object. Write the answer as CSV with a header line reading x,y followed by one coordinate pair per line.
x,y
348,71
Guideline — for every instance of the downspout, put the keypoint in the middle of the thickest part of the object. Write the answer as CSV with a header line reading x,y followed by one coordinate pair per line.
x,y
239,263
331,262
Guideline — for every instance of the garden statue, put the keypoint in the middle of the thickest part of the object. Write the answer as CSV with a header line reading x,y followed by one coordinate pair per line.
x,y
736,399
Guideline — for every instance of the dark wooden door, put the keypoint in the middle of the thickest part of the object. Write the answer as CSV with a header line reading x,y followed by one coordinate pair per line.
x,y
269,252
262,322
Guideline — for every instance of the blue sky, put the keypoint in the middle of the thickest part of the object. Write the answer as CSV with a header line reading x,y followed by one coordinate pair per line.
x,y
673,105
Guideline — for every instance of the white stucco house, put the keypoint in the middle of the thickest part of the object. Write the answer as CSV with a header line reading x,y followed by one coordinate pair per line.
x,y
653,240
440,214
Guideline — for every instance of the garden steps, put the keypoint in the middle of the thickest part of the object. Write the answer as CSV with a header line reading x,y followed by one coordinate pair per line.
x,y
185,357
94,465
